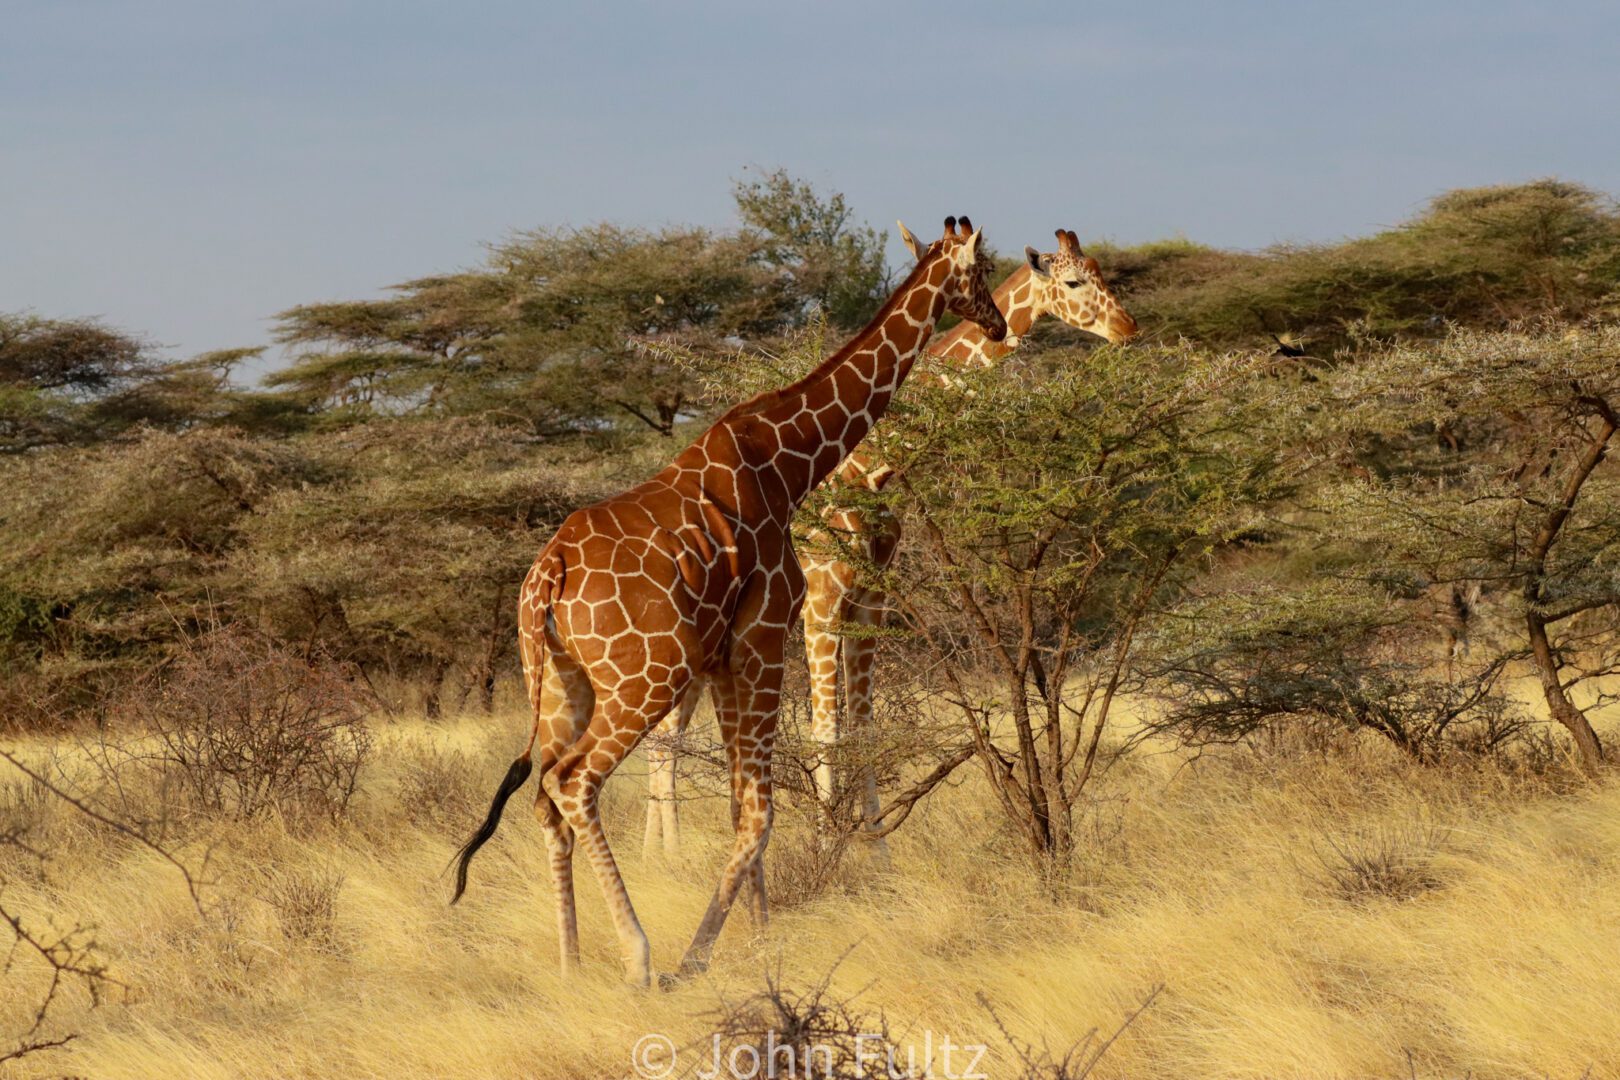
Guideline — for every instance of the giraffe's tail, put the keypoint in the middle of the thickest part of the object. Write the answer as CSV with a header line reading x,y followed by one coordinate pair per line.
x,y
533,644
515,777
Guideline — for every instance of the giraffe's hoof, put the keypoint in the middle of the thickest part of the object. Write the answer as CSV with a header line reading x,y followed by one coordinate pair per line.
x,y
691,966
670,981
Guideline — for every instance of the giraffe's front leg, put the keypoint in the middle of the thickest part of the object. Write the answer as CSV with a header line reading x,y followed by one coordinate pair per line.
x,y
826,599
859,660
747,705
663,809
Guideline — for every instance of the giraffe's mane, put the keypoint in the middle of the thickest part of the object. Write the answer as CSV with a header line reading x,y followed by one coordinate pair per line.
x,y
765,400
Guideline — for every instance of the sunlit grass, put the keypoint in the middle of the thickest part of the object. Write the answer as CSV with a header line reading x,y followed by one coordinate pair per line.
x,y
1208,877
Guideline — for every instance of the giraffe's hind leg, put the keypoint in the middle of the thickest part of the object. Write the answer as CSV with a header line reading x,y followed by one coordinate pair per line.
x,y
568,699
574,786
754,885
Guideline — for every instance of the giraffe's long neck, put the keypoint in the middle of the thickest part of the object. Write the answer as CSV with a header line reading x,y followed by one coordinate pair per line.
x,y
965,345
800,433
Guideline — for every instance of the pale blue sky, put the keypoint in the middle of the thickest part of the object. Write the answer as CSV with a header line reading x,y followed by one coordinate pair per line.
x,y
186,169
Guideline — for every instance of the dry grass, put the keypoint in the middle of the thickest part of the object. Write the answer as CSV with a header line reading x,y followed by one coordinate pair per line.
x,y
1485,943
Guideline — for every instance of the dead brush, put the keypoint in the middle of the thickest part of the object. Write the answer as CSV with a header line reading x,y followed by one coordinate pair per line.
x,y
1388,862
241,727
24,816
226,953
305,904
436,787
1078,1061
810,1033
806,865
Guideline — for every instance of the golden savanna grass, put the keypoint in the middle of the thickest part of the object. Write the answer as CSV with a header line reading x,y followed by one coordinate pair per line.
x,y
1491,948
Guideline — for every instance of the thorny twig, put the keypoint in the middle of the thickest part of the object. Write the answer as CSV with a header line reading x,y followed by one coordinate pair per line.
x,y
116,826
1079,1060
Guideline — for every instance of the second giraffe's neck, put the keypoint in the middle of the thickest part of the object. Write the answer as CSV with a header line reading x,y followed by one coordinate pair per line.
x,y
965,345
819,419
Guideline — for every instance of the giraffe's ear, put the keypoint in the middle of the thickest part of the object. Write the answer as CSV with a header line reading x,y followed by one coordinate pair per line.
x,y
910,241
973,243
1037,265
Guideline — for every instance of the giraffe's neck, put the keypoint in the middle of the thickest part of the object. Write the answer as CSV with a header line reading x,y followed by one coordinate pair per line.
x,y
800,433
962,346
965,345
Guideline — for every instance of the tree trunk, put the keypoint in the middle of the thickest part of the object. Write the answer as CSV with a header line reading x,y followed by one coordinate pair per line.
x,y
492,650
1558,703
433,704
1552,688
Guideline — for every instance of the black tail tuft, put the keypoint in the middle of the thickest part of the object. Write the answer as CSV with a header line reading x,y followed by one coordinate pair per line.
x,y
515,776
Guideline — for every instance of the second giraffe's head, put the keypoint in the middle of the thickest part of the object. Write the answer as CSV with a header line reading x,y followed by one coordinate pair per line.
x,y
964,277
1069,285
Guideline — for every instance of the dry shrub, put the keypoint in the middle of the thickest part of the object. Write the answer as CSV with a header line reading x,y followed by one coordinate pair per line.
x,y
784,1032
225,955
305,903
50,961
41,961
242,727
1392,862
439,789
813,1033
24,808
1079,1060
805,865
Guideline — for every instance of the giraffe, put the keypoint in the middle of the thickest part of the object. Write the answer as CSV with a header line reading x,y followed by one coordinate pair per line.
x,y
1066,284
693,573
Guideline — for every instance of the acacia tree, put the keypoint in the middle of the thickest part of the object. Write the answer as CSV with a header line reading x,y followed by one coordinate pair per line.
x,y
832,263
1259,649
584,299
52,371
1504,482
389,355
1483,257
406,560
108,552
550,329
1052,513
67,382
1464,526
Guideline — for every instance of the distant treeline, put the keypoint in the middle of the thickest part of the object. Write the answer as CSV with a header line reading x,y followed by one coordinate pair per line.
x,y
379,498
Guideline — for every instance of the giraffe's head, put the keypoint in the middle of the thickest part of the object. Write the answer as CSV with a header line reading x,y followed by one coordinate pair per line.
x,y
1068,284
966,284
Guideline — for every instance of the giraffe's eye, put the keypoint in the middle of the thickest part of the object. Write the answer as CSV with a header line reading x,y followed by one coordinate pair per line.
x,y
1073,284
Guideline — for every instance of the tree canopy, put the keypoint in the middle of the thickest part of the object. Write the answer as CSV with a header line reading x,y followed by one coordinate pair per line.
x,y
1379,534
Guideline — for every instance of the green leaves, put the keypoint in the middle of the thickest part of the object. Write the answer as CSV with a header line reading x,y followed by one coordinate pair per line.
x,y
1124,449
552,327
1483,257
831,263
